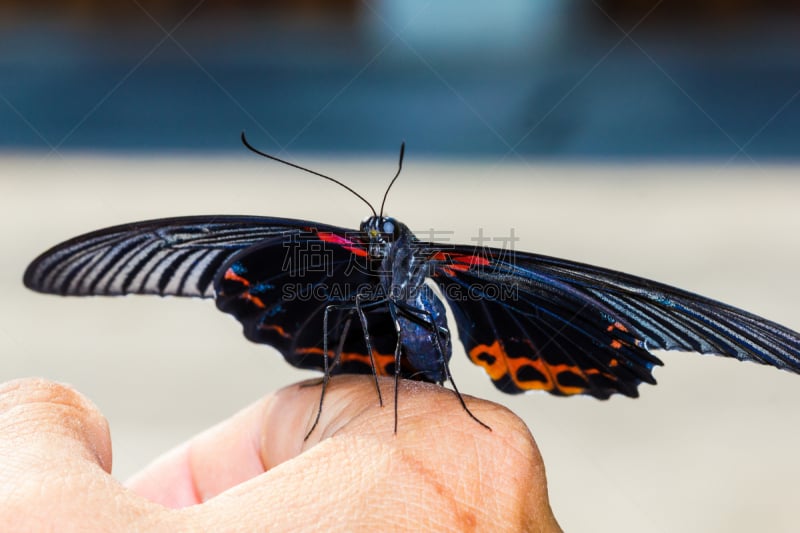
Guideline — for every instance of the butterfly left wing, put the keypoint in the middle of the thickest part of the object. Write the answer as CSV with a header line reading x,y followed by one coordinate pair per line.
x,y
537,322
280,289
169,256
241,261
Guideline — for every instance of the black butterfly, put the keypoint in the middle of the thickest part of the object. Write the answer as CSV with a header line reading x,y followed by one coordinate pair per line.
x,y
362,301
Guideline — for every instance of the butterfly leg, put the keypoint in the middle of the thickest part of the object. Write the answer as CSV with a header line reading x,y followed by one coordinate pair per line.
x,y
399,330
425,318
446,366
359,308
337,356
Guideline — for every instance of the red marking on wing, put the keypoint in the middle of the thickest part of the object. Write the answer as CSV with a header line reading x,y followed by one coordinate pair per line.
x,y
458,262
347,244
449,271
472,260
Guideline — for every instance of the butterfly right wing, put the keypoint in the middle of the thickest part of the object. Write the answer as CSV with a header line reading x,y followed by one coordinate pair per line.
x,y
538,322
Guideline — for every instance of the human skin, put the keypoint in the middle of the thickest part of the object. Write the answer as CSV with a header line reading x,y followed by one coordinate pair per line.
x,y
254,472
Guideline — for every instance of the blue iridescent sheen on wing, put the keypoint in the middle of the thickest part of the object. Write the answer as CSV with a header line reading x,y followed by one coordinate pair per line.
x,y
532,322
572,328
279,291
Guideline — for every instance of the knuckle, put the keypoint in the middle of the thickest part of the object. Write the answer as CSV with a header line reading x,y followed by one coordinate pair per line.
x,y
40,414
43,394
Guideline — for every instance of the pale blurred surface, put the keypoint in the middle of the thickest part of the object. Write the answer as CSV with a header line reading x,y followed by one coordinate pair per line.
x,y
712,448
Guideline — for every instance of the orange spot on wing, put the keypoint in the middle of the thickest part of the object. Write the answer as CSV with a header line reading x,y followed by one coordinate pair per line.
x,y
382,360
504,365
496,369
255,300
230,275
618,343
617,325
277,329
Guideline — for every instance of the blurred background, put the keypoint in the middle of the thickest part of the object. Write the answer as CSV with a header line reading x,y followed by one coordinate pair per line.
x,y
654,137
546,78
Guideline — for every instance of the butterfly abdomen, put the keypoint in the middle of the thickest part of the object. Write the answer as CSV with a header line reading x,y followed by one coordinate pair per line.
x,y
422,330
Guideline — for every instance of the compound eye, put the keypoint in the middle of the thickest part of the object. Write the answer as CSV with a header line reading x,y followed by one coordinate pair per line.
x,y
388,227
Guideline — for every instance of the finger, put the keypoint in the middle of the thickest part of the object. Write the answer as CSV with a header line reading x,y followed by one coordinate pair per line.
x,y
254,440
441,465
55,459
42,422
217,459
440,471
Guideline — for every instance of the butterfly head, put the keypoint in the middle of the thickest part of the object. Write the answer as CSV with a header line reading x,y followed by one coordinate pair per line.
x,y
381,232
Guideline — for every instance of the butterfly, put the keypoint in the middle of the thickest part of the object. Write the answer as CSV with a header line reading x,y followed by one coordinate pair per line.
x,y
370,300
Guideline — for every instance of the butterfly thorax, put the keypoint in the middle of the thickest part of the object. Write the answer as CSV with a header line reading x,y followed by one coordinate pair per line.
x,y
414,305
394,252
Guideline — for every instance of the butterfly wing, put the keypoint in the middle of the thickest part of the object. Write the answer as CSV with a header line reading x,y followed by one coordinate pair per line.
x,y
537,322
242,262
171,256
280,289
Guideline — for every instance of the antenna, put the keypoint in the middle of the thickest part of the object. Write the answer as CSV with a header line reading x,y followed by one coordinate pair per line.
x,y
279,160
399,168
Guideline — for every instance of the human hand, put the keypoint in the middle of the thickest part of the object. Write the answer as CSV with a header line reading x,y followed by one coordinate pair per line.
x,y
255,471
